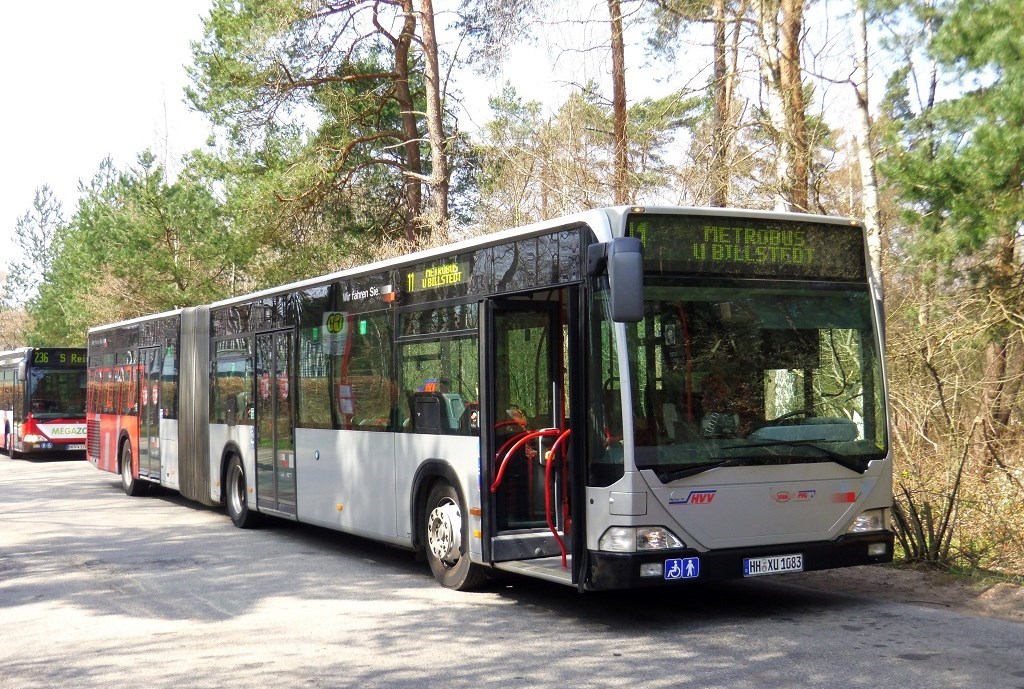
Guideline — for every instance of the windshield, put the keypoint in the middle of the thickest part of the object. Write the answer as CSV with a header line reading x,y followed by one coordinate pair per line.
x,y
57,393
762,373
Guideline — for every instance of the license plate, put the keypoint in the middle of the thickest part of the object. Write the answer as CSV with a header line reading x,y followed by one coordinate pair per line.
x,y
774,564
79,446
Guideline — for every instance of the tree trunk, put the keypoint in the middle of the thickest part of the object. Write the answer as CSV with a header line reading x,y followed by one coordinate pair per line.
x,y
862,135
1002,381
414,165
791,83
619,113
439,178
770,59
719,172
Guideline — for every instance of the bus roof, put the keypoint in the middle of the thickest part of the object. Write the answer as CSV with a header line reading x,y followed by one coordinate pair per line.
x,y
600,220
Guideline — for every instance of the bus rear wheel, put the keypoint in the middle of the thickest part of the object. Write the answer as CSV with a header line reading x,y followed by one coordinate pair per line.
x,y
129,484
444,536
237,496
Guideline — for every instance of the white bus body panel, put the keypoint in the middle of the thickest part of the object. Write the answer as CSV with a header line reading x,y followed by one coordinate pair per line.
x,y
241,437
346,480
725,508
790,505
360,482
462,453
169,453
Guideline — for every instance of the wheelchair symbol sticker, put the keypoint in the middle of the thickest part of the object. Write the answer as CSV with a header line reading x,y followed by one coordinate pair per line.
x,y
682,568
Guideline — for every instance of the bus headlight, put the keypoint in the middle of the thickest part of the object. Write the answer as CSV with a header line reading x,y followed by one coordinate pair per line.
x,y
34,438
869,520
629,539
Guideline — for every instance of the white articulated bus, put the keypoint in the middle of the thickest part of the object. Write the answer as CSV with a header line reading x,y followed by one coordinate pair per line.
x,y
619,398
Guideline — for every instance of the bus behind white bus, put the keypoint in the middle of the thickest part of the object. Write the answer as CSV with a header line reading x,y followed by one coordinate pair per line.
x,y
42,402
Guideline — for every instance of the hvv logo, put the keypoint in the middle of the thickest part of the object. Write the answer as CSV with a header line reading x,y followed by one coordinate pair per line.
x,y
694,497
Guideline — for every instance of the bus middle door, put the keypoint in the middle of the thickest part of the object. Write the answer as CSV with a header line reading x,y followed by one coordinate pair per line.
x,y
533,354
275,422
149,412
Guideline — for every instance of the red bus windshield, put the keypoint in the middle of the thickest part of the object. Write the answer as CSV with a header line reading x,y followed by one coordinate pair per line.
x,y
56,393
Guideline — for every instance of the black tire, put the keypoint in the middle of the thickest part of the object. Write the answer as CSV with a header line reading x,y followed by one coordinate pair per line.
x,y
236,496
129,483
445,540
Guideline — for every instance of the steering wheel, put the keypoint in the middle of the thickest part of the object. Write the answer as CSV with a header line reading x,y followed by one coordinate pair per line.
x,y
805,413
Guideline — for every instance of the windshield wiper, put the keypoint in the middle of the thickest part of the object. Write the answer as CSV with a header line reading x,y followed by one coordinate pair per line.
x,y
851,463
670,476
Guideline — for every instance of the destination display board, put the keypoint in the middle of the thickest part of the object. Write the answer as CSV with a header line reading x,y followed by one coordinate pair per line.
x,y
750,247
59,358
450,273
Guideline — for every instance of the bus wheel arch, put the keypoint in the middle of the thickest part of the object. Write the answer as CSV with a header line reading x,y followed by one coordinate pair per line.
x,y
236,493
428,473
442,528
229,452
130,484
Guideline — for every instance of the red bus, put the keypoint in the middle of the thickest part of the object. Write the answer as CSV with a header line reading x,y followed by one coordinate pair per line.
x,y
42,401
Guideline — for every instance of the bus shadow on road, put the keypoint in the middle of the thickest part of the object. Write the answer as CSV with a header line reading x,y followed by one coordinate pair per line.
x,y
661,606
222,572
50,459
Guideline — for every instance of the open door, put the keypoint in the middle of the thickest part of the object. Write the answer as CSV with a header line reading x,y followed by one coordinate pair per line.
x,y
534,379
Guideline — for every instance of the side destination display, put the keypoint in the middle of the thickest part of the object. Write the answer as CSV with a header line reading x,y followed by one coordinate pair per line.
x,y
447,274
750,247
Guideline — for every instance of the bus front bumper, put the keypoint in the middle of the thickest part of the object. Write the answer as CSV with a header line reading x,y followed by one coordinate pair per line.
x,y
50,447
679,567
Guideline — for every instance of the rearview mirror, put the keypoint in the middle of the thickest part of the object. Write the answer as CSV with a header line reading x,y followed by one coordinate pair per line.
x,y
626,279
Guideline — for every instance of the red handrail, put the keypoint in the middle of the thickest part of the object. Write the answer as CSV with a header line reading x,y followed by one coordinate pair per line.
x,y
508,443
523,438
516,442
547,495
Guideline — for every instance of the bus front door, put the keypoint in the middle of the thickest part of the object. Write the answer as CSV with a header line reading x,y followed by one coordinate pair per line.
x,y
535,354
149,413
275,423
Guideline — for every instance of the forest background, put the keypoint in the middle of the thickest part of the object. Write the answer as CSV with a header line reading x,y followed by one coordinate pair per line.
x,y
336,141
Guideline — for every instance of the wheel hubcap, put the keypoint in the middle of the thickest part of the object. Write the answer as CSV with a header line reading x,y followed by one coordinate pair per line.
x,y
444,532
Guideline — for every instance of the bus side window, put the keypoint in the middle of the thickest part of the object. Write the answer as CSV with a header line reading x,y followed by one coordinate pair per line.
x,y
5,394
364,394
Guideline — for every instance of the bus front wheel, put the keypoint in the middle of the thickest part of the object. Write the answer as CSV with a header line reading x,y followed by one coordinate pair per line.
x,y
444,537
237,496
129,484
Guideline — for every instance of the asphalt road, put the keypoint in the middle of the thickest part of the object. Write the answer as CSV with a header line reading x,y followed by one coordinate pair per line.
x,y
101,590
